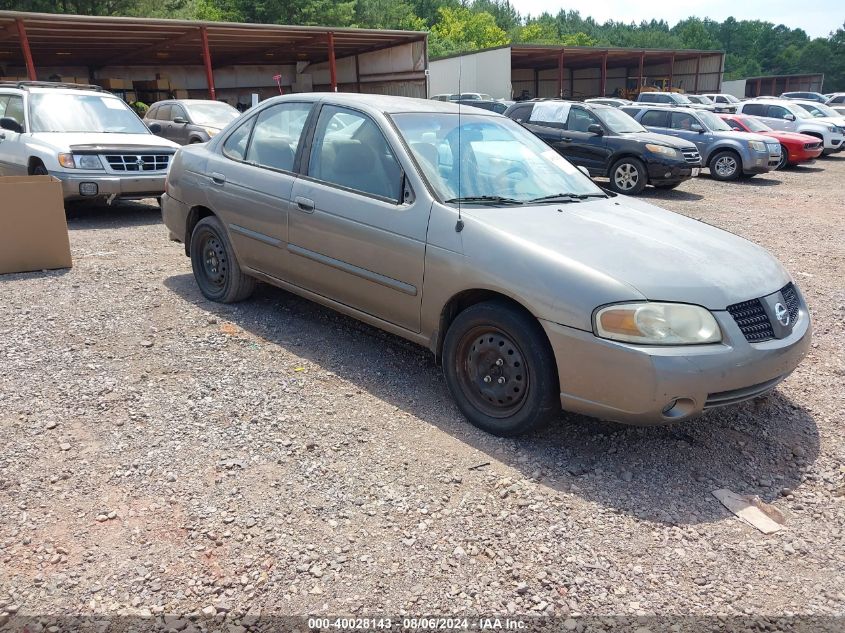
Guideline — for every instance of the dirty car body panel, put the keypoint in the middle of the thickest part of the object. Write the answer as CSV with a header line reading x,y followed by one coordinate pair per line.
x,y
398,253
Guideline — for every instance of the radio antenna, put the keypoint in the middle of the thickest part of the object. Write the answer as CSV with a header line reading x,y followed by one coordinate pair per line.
x,y
459,226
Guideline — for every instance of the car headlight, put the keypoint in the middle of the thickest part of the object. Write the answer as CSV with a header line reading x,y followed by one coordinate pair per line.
x,y
662,149
657,324
832,128
757,146
212,131
84,161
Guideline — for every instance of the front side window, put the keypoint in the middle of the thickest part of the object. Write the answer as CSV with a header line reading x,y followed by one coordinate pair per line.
x,y
163,112
580,120
490,160
617,121
711,122
11,106
350,151
54,111
275,138
176,112
777,112
684,121
735,125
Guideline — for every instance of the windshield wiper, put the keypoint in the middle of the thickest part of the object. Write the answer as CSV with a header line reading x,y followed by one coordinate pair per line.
x,y
568,197
486,199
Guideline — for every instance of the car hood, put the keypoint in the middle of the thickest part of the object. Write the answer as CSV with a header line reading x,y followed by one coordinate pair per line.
x,y
661,255
662,139
64,140
791,136
824,121
746,136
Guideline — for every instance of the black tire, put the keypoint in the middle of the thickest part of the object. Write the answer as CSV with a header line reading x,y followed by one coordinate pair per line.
x,y
500,369
39,169
671,185
215,266
725,165
628,176
784,158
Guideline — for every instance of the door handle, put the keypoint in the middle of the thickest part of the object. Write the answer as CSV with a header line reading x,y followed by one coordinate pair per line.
x,y
218,179
2,137
304,204
565,139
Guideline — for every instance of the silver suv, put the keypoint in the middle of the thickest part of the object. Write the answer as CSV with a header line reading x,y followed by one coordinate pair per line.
x,y
782,114
727,153
86,137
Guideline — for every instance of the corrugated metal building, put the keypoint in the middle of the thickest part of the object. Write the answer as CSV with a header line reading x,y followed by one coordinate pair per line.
x,y
211,59
575,71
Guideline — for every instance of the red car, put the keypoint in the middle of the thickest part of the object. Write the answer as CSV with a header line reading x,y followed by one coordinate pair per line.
x,y
794,148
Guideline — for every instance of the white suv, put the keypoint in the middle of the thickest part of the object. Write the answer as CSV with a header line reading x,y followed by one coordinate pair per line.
x,y
86,137
782,114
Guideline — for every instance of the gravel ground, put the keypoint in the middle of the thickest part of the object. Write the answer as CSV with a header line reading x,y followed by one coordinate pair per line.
x,y
164,454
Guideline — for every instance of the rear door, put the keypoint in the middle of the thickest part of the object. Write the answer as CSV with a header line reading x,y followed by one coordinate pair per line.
x,y
547,120
357,236
583,147
656,121
250,183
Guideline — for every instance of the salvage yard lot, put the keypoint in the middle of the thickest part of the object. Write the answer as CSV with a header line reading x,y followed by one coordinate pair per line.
x,y
162,453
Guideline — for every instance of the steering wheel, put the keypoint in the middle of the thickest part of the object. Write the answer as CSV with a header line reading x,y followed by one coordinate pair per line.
x,y
511,176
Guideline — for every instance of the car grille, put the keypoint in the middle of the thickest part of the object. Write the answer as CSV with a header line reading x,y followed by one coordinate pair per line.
x,y
724,398
812,145
137,162
791,298
692,156
753,321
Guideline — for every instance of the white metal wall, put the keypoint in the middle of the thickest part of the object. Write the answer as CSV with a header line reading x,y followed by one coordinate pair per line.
x,y
487,72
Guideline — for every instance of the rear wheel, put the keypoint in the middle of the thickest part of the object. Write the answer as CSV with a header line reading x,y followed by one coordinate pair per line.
x,y
215,266
784,157
500,369
628,176
725,165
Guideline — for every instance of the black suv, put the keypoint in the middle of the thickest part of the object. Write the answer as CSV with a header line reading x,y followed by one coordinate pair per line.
x,y
609,143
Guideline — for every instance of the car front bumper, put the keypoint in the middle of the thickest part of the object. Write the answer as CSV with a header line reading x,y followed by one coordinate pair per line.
x,y
760,163
635,384
666,172
111,186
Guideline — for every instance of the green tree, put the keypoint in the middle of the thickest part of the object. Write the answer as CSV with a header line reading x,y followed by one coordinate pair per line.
x,y
461,29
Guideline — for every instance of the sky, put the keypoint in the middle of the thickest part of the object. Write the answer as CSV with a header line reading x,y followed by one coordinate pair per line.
x,y
817,17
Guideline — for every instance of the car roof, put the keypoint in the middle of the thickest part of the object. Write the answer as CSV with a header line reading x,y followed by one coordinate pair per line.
x,y
386,104
660,106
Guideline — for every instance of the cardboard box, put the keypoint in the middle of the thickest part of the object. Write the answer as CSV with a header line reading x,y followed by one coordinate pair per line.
x,y
33,227
115,84
181,94
152,84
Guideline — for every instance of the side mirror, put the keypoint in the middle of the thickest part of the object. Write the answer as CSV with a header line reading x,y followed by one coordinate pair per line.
x,y
584,170
695,127
8,123
789,117
596,129
180,120
155,128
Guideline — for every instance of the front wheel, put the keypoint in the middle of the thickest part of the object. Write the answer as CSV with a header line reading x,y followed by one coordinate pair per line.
x,y
784,157
725,166
216,268
500,369
628,176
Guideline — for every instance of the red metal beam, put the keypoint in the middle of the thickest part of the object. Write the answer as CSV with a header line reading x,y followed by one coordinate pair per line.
x,y
604,74
560,74
332,64
27,54
697,68
206,58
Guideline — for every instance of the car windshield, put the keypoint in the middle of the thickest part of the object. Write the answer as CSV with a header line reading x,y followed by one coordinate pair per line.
x,y
731,98
800,113
489,160
618,121
679,98
217,115
755,125
819,109
63,112
713,122
702,99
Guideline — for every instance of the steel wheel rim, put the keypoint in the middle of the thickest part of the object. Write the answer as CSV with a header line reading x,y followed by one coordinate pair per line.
x,y
214,262
726,166
492,371
626,176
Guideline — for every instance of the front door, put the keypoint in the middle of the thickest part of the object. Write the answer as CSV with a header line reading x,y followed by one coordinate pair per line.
x,y
13,154
689,128
250,183
357,234
178,131
776,117
583,147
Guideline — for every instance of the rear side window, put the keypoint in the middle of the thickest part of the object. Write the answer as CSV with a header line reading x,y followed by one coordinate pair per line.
x,y
754,109
350,151
550,114
521,113
235,145
276,135
655,118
